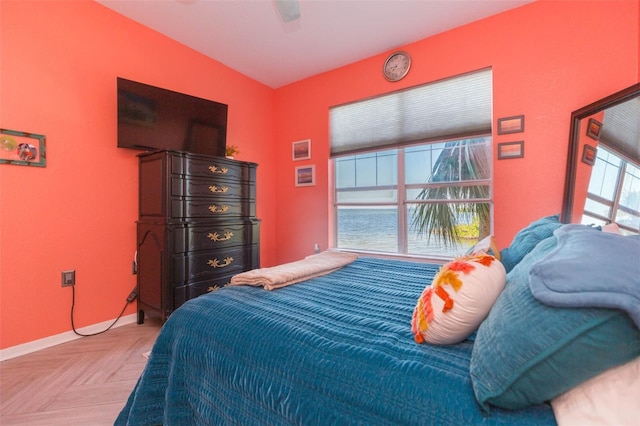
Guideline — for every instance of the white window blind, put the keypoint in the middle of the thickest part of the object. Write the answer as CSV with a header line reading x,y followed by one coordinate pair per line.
x,y
621,129
455,107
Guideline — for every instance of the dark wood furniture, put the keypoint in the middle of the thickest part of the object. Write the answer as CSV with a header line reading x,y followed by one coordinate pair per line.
x,y
197,227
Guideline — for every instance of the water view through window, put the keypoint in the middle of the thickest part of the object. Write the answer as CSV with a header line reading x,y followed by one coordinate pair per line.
x,y
432,199
375,229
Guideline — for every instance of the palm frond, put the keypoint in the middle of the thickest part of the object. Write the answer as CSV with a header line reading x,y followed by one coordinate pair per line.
x,y
458,161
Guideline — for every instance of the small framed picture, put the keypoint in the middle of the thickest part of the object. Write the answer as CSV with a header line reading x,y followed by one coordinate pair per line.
x,y
593,129
302,150
306,175
513,124
589,154
22,149
509,150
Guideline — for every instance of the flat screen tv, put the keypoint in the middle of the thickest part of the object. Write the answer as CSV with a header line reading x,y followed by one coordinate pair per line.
x,y
153,119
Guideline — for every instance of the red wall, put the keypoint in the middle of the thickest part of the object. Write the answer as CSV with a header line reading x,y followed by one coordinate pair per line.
x,y
58,73
548,58
57,77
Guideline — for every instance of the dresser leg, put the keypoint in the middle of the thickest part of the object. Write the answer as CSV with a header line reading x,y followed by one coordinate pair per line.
x,y
140,316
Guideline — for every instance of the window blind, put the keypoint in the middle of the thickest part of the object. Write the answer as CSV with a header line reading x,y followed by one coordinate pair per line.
x,y
621,128
455,107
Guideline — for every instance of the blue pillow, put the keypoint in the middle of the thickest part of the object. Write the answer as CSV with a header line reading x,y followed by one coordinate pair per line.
x,y
527,238
526,353
590,269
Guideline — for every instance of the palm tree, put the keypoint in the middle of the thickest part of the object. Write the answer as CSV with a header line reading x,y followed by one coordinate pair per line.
x,y
459,162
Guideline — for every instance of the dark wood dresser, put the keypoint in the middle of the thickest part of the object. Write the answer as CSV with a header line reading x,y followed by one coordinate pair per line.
x,y
197,227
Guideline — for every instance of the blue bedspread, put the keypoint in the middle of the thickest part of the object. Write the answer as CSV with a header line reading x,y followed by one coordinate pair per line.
x,y
336,349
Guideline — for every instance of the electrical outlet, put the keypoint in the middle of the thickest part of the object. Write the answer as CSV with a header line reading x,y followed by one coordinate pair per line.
x,y
134,267
68,278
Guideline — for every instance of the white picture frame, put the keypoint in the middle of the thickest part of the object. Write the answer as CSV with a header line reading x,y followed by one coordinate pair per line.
x,y
305,175
301,150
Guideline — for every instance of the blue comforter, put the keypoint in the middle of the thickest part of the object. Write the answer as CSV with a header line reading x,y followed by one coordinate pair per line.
x,y
336,349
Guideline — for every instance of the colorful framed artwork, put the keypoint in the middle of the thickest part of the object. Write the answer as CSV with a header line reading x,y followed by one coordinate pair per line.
x,y
302,150
589,154
593,129
22,148
513,124
306,175
508,150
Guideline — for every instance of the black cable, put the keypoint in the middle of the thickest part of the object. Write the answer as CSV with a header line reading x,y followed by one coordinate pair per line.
x,y
73,302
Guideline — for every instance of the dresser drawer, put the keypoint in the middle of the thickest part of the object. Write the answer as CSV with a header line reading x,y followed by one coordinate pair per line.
x,y
213,167
214,264
186,208
216,235
189,291
189,187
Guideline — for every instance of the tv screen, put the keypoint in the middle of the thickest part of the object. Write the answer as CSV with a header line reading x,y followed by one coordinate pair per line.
x,y
153,119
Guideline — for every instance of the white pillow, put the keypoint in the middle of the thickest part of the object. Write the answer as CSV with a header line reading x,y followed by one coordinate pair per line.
x,y
458,300
487,245
612,228
610,398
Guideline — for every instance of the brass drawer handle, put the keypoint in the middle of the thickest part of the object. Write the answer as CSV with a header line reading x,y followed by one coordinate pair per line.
x,y
218,189
212,288
216,209
216,237
215,263
219,170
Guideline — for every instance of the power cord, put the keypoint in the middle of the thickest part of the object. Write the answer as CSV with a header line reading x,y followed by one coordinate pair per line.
x,y
131,298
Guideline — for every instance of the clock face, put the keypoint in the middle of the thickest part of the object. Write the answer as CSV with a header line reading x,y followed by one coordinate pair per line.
x,y
396,66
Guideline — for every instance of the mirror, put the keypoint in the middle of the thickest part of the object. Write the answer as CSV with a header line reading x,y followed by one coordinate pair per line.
x,y
603,165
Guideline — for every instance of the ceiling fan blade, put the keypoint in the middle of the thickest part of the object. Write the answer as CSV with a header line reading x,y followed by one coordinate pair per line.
x,y
289,9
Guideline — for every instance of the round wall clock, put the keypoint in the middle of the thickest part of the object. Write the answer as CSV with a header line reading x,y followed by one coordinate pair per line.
x,y
396,66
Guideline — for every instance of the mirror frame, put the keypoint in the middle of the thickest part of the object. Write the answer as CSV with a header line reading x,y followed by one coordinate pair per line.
x,y
572,158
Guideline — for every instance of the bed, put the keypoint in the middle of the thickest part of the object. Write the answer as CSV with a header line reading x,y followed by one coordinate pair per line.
x,y
339,348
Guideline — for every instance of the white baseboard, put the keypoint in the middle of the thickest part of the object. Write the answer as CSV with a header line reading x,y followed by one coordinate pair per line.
x,y
47,342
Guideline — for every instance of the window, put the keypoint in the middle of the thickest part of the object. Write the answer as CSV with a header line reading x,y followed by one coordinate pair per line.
x,y
614,192
403,200
413,168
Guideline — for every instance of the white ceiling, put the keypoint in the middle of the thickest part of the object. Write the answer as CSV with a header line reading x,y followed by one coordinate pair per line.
x,y
250,37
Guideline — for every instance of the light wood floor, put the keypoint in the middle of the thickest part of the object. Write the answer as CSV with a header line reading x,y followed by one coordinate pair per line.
x,y
83,382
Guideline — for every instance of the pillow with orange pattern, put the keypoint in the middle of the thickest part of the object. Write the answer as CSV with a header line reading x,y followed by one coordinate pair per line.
x,y
458,300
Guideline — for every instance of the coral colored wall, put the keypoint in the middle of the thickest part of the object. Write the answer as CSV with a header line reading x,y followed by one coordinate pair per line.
x,y
58,75
548,58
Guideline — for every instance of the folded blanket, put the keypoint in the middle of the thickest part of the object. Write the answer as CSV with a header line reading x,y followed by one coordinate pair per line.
x,y
294,272
590,269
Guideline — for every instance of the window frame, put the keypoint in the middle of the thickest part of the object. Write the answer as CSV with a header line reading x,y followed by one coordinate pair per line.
x,y
402,204
614,204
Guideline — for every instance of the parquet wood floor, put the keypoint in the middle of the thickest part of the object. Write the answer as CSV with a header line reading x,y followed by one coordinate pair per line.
x,y
83,382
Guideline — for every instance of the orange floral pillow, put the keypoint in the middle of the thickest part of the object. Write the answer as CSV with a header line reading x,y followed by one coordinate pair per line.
x,y
458,300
